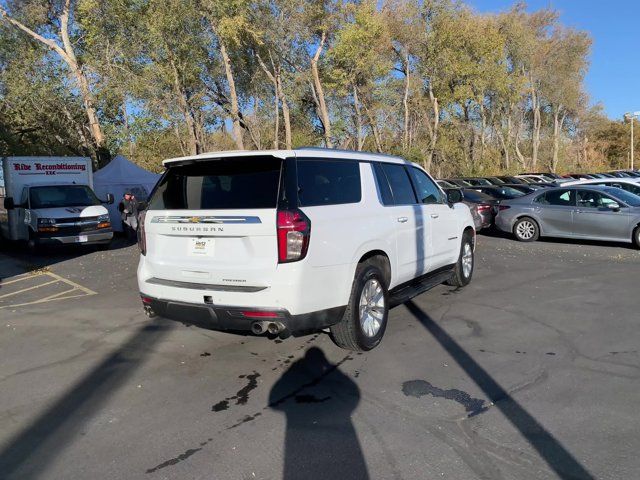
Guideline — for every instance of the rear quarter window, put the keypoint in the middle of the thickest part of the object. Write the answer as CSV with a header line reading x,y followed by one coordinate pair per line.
x,y
328,182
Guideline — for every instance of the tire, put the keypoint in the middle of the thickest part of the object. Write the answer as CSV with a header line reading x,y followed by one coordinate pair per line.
x,y
636,237
526,229
362,327
31,244
463,271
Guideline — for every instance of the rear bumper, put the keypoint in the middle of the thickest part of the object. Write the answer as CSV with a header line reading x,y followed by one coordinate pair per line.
x,y
92,238
504,223
231,318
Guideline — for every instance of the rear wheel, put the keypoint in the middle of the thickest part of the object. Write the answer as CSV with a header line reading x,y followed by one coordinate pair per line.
x,y
464,267
365,319
526,230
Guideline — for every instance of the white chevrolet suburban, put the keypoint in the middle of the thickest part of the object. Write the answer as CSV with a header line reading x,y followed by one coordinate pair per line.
x,y
279,242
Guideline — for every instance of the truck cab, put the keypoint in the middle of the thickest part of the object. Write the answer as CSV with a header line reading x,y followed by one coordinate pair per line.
x,y
54,208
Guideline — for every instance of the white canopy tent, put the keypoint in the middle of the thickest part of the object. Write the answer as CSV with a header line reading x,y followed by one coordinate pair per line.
x,y
118,177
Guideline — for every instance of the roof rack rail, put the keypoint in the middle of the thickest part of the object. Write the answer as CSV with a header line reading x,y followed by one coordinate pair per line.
x,y
364,152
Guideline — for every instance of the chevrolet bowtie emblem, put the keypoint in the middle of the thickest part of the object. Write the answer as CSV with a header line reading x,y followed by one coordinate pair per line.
x,y
194,219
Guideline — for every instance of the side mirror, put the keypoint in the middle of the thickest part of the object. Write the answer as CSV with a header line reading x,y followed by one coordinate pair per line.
x,y
9,204
109,199
613,206
454,195
142,205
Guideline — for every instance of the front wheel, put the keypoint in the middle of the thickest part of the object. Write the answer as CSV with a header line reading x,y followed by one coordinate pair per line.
x,y
464,267
526,230
365,319
636,237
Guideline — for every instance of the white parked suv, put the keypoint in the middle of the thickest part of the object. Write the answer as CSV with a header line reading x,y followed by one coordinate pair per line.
x,y
278,242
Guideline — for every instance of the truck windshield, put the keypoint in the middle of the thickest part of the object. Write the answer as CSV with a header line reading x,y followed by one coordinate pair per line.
x,y
56,196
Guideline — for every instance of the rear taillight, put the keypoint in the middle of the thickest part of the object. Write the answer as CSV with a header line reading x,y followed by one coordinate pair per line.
x,y
484,207
294,230
503,207
142,236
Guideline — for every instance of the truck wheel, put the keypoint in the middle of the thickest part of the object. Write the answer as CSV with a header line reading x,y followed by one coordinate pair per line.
x,y
526,230
365,319
464,266
31,244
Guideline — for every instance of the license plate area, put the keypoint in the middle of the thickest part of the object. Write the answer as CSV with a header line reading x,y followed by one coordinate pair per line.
x,y
81,239
201,247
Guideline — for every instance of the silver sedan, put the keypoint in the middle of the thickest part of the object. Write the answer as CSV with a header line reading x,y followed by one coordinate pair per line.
x,y
587,212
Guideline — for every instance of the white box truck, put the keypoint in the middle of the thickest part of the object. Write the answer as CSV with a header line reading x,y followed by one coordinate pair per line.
x,y
50,201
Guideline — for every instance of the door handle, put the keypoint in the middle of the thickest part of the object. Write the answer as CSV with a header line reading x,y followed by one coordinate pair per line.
x,y
434,215
403,219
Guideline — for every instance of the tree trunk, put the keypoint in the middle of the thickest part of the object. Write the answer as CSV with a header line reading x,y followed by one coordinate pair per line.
x,y
558,122
276,79
276,107
374,128
235,109
405,103
537,124
433,129
358,118
322,106
67,54
185,108
285,114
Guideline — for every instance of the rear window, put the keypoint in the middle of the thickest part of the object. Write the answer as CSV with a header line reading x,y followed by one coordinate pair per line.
x,y
328,182
235,183
475,196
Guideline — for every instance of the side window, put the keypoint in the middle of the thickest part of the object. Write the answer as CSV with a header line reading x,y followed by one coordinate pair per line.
x,y
560,198
541,199
328,182
630,187
428,192
383,184
400,184
590,199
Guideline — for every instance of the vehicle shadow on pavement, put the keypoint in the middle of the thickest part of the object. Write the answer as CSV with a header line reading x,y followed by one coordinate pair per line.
x,y
559,459
15,259
28,453
318,401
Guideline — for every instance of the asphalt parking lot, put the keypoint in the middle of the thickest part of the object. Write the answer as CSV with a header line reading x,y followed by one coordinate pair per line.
x,y
531,372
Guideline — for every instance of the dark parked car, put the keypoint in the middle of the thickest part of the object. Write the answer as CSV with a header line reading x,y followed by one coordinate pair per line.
x,y
477,181
512,180
579,176
525,189
501,192
445,184
458,182
485,205
496,180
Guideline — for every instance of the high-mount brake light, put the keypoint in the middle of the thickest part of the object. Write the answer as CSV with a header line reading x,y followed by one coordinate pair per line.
x,y
294,232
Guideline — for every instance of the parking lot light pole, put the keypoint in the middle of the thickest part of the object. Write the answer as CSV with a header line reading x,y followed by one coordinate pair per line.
x,y
631,117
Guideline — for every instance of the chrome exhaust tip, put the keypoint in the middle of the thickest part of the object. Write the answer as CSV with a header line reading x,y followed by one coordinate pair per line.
x,y
257,328
276,328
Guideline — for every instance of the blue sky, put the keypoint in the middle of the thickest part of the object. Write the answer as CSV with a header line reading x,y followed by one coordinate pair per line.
x,y
614,25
